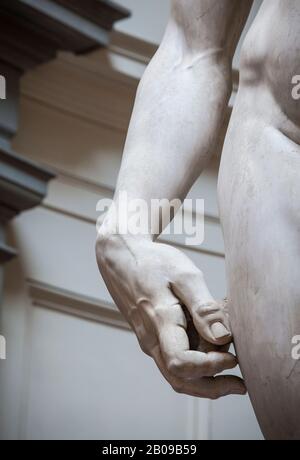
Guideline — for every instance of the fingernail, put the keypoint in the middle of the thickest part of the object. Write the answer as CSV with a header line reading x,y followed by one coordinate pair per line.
x,y
219,331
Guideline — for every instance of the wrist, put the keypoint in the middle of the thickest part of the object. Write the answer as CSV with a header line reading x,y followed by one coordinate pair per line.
x,y
110,231
123,224
110,239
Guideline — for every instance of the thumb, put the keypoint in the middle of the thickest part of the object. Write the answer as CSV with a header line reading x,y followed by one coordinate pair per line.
x,y
209,316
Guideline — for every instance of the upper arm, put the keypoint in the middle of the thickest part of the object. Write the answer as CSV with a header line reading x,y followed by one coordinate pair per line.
x,y
200,25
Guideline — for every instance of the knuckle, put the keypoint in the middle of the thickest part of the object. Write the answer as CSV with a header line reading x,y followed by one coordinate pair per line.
x,y
144,348
160,312
175,366
193,273
204,310
207,368
214,396
178,387
148,345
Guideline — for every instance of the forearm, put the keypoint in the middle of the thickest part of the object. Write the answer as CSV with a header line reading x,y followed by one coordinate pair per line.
x,y
177,118
175,125
181,102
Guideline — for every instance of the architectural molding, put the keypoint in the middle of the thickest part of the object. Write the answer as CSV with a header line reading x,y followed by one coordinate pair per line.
x,y
23,184
33,31
116,96
112,73
89,308
104,13
68,190
131,47
199,419
6,253
162,239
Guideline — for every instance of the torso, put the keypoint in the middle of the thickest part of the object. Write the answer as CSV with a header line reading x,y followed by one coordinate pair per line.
x,y
259,198
271,61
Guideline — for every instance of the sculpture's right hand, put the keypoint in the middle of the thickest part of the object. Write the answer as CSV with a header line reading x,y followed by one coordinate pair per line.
x,y
150,283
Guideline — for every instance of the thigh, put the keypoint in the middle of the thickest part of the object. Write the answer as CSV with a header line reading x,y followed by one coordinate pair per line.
x,y
259,205
259,190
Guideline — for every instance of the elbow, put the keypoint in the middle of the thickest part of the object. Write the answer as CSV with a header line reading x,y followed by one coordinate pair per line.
x,y
204,58
211,67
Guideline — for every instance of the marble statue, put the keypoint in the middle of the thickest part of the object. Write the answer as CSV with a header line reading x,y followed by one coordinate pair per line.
x,y
178,114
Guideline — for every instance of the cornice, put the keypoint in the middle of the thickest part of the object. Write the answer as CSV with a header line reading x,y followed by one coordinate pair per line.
x,y
33,31
23,184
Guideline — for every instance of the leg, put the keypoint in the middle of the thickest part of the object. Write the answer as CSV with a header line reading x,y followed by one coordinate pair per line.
x,y
259,190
